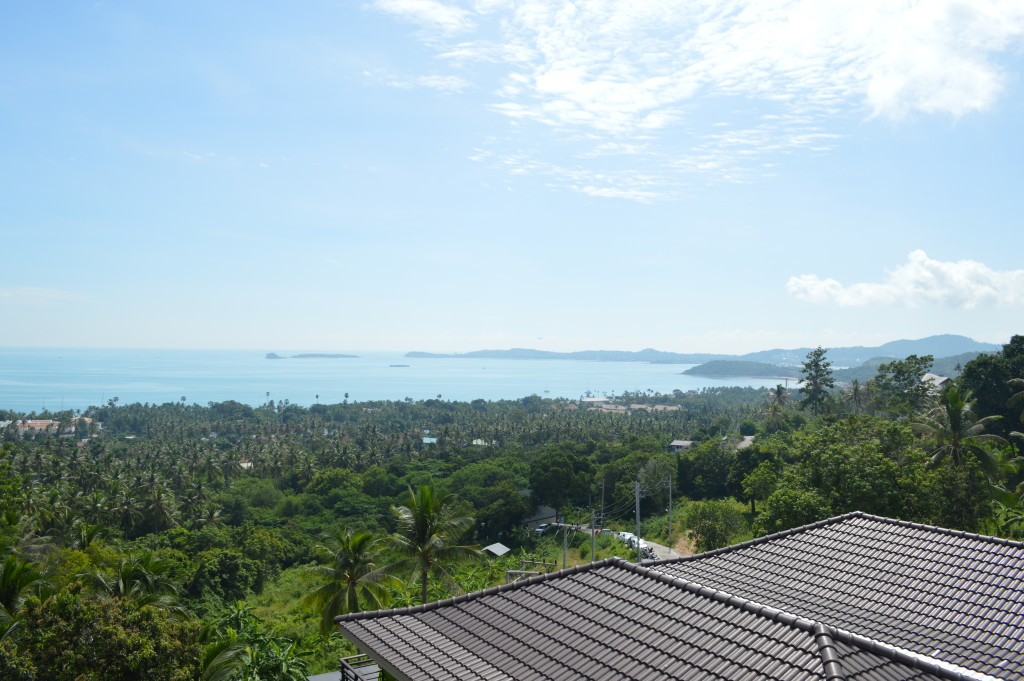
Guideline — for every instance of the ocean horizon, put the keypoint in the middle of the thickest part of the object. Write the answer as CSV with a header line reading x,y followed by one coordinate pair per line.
x,y
58,379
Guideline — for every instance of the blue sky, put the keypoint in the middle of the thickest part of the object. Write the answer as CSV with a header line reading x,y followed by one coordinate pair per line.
x,y
713,175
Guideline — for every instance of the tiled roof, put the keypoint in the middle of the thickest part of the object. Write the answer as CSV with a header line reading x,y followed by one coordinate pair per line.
x,y
616,620
953,596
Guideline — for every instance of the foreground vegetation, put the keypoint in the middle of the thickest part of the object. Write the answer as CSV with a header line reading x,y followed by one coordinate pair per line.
x,y
184,541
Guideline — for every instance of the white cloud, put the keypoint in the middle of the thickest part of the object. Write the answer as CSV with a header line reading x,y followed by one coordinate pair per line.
x,y
441,83
965,284
620,193
431,14
616,149
32,295
797,70
619,66
619,184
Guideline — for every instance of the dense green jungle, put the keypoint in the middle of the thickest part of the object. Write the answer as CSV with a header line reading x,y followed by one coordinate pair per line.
x,y
182,541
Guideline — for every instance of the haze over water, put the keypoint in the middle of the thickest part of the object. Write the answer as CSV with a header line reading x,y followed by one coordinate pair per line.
x,y
37,379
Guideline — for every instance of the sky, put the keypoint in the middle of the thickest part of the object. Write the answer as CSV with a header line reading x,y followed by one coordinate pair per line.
x,y
688,175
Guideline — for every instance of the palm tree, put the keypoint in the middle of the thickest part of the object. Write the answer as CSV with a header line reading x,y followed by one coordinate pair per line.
x,y
1017,399
18,578
229,467
95,507
307,469
128,511
350,574
237,649
143,578
429,529
159,510
778,395
86,534
58,522
856,395
957,433
207,516
774,416
276,658
209,469
774,410
224,655
1009,509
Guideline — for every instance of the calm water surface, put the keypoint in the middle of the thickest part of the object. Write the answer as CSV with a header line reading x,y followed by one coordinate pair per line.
x,y
34,379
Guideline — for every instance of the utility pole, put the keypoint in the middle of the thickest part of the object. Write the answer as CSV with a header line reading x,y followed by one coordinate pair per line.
x,y
596,523
593,537
565,542
636,487
670,510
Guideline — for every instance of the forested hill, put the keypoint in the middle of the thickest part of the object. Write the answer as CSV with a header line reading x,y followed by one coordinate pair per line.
x,y
946,366
938,346
945,345
742,368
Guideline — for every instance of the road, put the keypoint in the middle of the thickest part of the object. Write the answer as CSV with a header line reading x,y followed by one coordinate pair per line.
x,y
661,552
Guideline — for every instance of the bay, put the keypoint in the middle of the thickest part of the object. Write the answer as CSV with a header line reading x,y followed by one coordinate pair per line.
x,y
39,379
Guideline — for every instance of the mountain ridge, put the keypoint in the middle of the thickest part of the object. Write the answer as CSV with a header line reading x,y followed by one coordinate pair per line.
x,y
942,345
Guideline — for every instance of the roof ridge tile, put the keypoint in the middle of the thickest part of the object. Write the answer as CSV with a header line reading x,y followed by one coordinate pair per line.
x,y
840,519
761,540
830,660
433,605
944,530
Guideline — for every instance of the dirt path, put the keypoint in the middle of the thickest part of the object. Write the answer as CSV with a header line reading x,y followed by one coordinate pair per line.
x,y
684,547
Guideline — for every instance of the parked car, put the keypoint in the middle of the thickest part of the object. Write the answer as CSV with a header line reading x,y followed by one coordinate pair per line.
x,y
636,542
542,528
606,531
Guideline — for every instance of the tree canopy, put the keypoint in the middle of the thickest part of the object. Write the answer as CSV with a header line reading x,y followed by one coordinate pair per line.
x,y
817,381
899,386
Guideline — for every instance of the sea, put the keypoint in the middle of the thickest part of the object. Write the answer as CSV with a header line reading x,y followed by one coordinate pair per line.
x,y
58,379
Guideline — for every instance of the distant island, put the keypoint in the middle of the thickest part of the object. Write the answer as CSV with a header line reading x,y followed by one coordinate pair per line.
x,y
946,345
314,355
734,368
